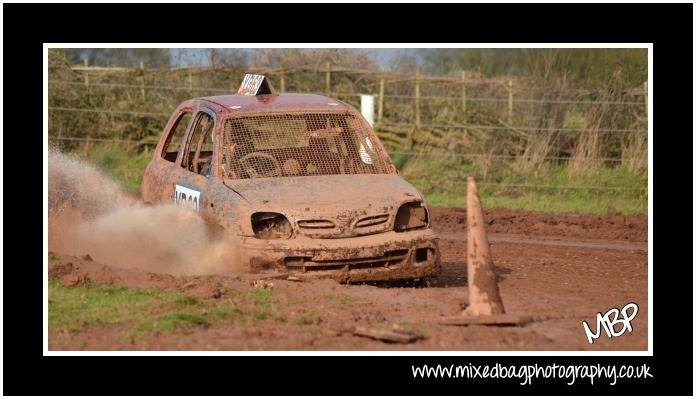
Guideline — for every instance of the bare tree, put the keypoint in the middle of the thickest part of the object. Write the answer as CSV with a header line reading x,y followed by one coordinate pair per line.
x,y
124,57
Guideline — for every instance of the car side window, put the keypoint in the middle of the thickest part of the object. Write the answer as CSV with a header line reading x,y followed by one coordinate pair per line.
x,y
175,139
199,155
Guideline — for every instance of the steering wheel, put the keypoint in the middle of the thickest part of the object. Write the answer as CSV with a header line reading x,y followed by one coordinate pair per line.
x,y
252,170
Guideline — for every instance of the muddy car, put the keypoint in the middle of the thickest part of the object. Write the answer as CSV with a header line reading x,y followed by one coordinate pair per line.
x,y
299,181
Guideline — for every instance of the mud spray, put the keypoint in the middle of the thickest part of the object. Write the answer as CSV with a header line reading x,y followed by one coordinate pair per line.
x,y
90,214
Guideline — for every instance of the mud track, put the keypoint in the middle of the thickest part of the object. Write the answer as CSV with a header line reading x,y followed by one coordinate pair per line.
x,y
563,267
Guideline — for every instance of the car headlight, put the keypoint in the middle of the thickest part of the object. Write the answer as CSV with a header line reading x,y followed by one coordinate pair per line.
x,y
270,225
411,215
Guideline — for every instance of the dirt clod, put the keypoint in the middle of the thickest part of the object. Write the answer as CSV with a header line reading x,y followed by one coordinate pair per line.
x,y
74,279
261,284
390,334
60,269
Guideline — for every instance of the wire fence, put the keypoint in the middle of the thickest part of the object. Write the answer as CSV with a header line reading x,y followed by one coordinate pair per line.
x,y
426,155
409,153
328,69
431,125
107,111
479,119
342,94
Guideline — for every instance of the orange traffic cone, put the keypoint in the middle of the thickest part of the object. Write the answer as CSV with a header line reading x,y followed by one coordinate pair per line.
x,y
485,306
484,298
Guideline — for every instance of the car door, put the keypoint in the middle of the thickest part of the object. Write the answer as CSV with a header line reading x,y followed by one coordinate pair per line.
x,y
192,182
158,178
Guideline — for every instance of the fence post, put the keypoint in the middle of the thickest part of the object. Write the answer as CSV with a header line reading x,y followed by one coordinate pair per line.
x,y
282,82
86,73
510,101
190,81
142,81
380,105
464,95
417,95
328,78
645,95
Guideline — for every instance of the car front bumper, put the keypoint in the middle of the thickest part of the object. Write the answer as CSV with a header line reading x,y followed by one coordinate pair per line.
x,y
377,257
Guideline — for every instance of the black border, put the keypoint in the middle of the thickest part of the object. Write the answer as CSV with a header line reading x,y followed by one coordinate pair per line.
x,y
27,26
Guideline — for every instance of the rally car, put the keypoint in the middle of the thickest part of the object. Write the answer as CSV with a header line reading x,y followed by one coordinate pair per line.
x,y
299,181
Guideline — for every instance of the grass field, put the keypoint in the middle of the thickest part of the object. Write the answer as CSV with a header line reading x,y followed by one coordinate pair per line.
x,y
443,181
548,187
148,310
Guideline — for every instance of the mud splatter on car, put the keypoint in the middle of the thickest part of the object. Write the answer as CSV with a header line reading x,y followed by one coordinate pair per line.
x,y
300,181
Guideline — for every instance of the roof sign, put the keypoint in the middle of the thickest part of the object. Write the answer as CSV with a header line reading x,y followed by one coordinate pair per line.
x,y
255,85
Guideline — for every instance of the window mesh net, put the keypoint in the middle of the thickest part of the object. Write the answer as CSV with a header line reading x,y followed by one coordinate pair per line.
x,y
274,145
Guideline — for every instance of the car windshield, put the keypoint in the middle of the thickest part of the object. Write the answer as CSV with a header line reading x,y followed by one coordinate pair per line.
x,y
275,145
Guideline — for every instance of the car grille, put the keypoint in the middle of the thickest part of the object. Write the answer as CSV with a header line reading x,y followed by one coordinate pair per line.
x,y
306,263
316,224
372,221
324,228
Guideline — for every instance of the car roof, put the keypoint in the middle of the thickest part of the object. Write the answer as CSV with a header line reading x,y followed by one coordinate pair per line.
x,y
233,104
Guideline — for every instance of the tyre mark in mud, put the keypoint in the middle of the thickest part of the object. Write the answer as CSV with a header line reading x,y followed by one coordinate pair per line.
x,y
512,239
